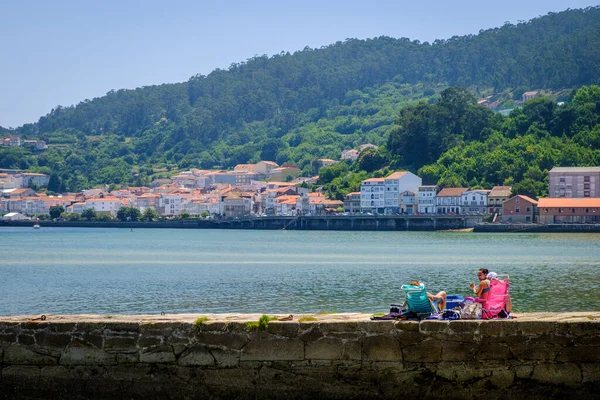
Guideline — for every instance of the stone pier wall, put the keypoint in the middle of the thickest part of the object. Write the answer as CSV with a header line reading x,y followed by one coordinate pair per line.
x,y
333,356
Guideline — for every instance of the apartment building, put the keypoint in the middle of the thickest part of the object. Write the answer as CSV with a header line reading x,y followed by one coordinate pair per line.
x,y
372,195
519,209
574,182
427,203
449,200
564,210
474,202
395,184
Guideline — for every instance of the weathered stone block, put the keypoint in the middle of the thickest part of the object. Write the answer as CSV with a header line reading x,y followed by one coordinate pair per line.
x,y
505,327
149,341
584,328
273,349
196,356
74,355
407,325
426,351
381,348
157,355
58,341
123,328
345,326
87,340
557,374
464,326
120,344
282,328
429,327
324,349
458,351
226,358
17,354
61,327
377,327
309,332
232,340
535,328
502,378
408,338
128,358
534,351
492,351
26,340
580,354
23,374
8,337
523,371
460,372
590,372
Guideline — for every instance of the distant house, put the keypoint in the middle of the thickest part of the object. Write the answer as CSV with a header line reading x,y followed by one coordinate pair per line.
x,y
15,216
449,200
474,202
352,202
350,154
496,197
362,147
563,210
530,95
427,203
519,209
372,195
397,183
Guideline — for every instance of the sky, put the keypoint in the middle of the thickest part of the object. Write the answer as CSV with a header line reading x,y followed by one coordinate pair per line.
x,y
62,52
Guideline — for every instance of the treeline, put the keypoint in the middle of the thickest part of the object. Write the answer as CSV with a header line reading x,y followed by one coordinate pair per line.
x,y
292,108
458,143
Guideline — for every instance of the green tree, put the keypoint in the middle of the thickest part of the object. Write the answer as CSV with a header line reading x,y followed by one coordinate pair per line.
x,y
150,215
56,211
88,214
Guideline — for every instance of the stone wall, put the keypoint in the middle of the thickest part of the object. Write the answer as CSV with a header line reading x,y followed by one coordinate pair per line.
x,y
337,356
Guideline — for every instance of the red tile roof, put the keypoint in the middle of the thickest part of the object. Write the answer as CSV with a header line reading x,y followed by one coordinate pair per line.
x,y
451,192
587,202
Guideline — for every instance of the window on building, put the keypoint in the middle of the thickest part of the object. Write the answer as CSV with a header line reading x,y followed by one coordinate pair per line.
x,y
517,210
586,185
545,210
561,180
573,210
587,210
528,209
586,178
560,210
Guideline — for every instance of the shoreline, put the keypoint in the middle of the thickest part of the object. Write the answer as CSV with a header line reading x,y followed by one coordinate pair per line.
x,y
464,224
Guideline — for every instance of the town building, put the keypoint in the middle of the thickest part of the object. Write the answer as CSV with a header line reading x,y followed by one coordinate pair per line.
x,y
530,95
519,209
352,203
396,183
565,210
474,202
372,196
427,203
574,182
496,198
449,200
350,154
408,202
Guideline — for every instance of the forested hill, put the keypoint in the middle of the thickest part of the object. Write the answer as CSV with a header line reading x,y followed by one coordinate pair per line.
x,y
312,103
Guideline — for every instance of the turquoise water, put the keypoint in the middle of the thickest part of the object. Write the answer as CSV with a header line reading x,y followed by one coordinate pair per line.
x,y
116,271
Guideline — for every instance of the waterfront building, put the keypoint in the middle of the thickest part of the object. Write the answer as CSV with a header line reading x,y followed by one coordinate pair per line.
x,y
107,205
408,202
288,205
565,210
474,202
352,202
372,195
236,204
574,182
427,203
396,183
496,197
449,200
519,209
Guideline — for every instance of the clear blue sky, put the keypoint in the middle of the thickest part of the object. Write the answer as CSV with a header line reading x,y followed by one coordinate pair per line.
x,y
64,51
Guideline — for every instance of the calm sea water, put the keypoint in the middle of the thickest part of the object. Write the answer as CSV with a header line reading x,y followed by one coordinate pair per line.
x,y
116,271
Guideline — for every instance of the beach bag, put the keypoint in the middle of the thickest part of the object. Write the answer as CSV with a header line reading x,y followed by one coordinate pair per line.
x,y
471,310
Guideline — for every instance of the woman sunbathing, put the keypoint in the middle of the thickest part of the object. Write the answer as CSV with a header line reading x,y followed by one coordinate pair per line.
x,y
440,296
481,290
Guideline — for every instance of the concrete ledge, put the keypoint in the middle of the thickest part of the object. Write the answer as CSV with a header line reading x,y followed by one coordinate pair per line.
x,y
333,356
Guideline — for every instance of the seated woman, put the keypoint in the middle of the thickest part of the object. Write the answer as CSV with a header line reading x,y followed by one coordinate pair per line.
x,y
440,296
481,290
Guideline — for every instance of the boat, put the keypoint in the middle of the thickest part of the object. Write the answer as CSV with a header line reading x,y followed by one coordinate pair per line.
x,y
36,226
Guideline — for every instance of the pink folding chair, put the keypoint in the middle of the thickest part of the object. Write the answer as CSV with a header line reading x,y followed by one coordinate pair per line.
x,y
495,304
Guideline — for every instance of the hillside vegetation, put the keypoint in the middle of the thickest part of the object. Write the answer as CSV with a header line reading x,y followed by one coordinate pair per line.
x,y
292,108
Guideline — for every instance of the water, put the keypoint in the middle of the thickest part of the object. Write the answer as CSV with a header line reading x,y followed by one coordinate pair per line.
x,y
116,271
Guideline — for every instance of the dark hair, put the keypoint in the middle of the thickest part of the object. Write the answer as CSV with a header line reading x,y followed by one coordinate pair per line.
x,y
484,270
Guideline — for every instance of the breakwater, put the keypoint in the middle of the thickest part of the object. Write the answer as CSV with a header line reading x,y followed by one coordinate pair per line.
x,y
541,228
347,223
325,356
